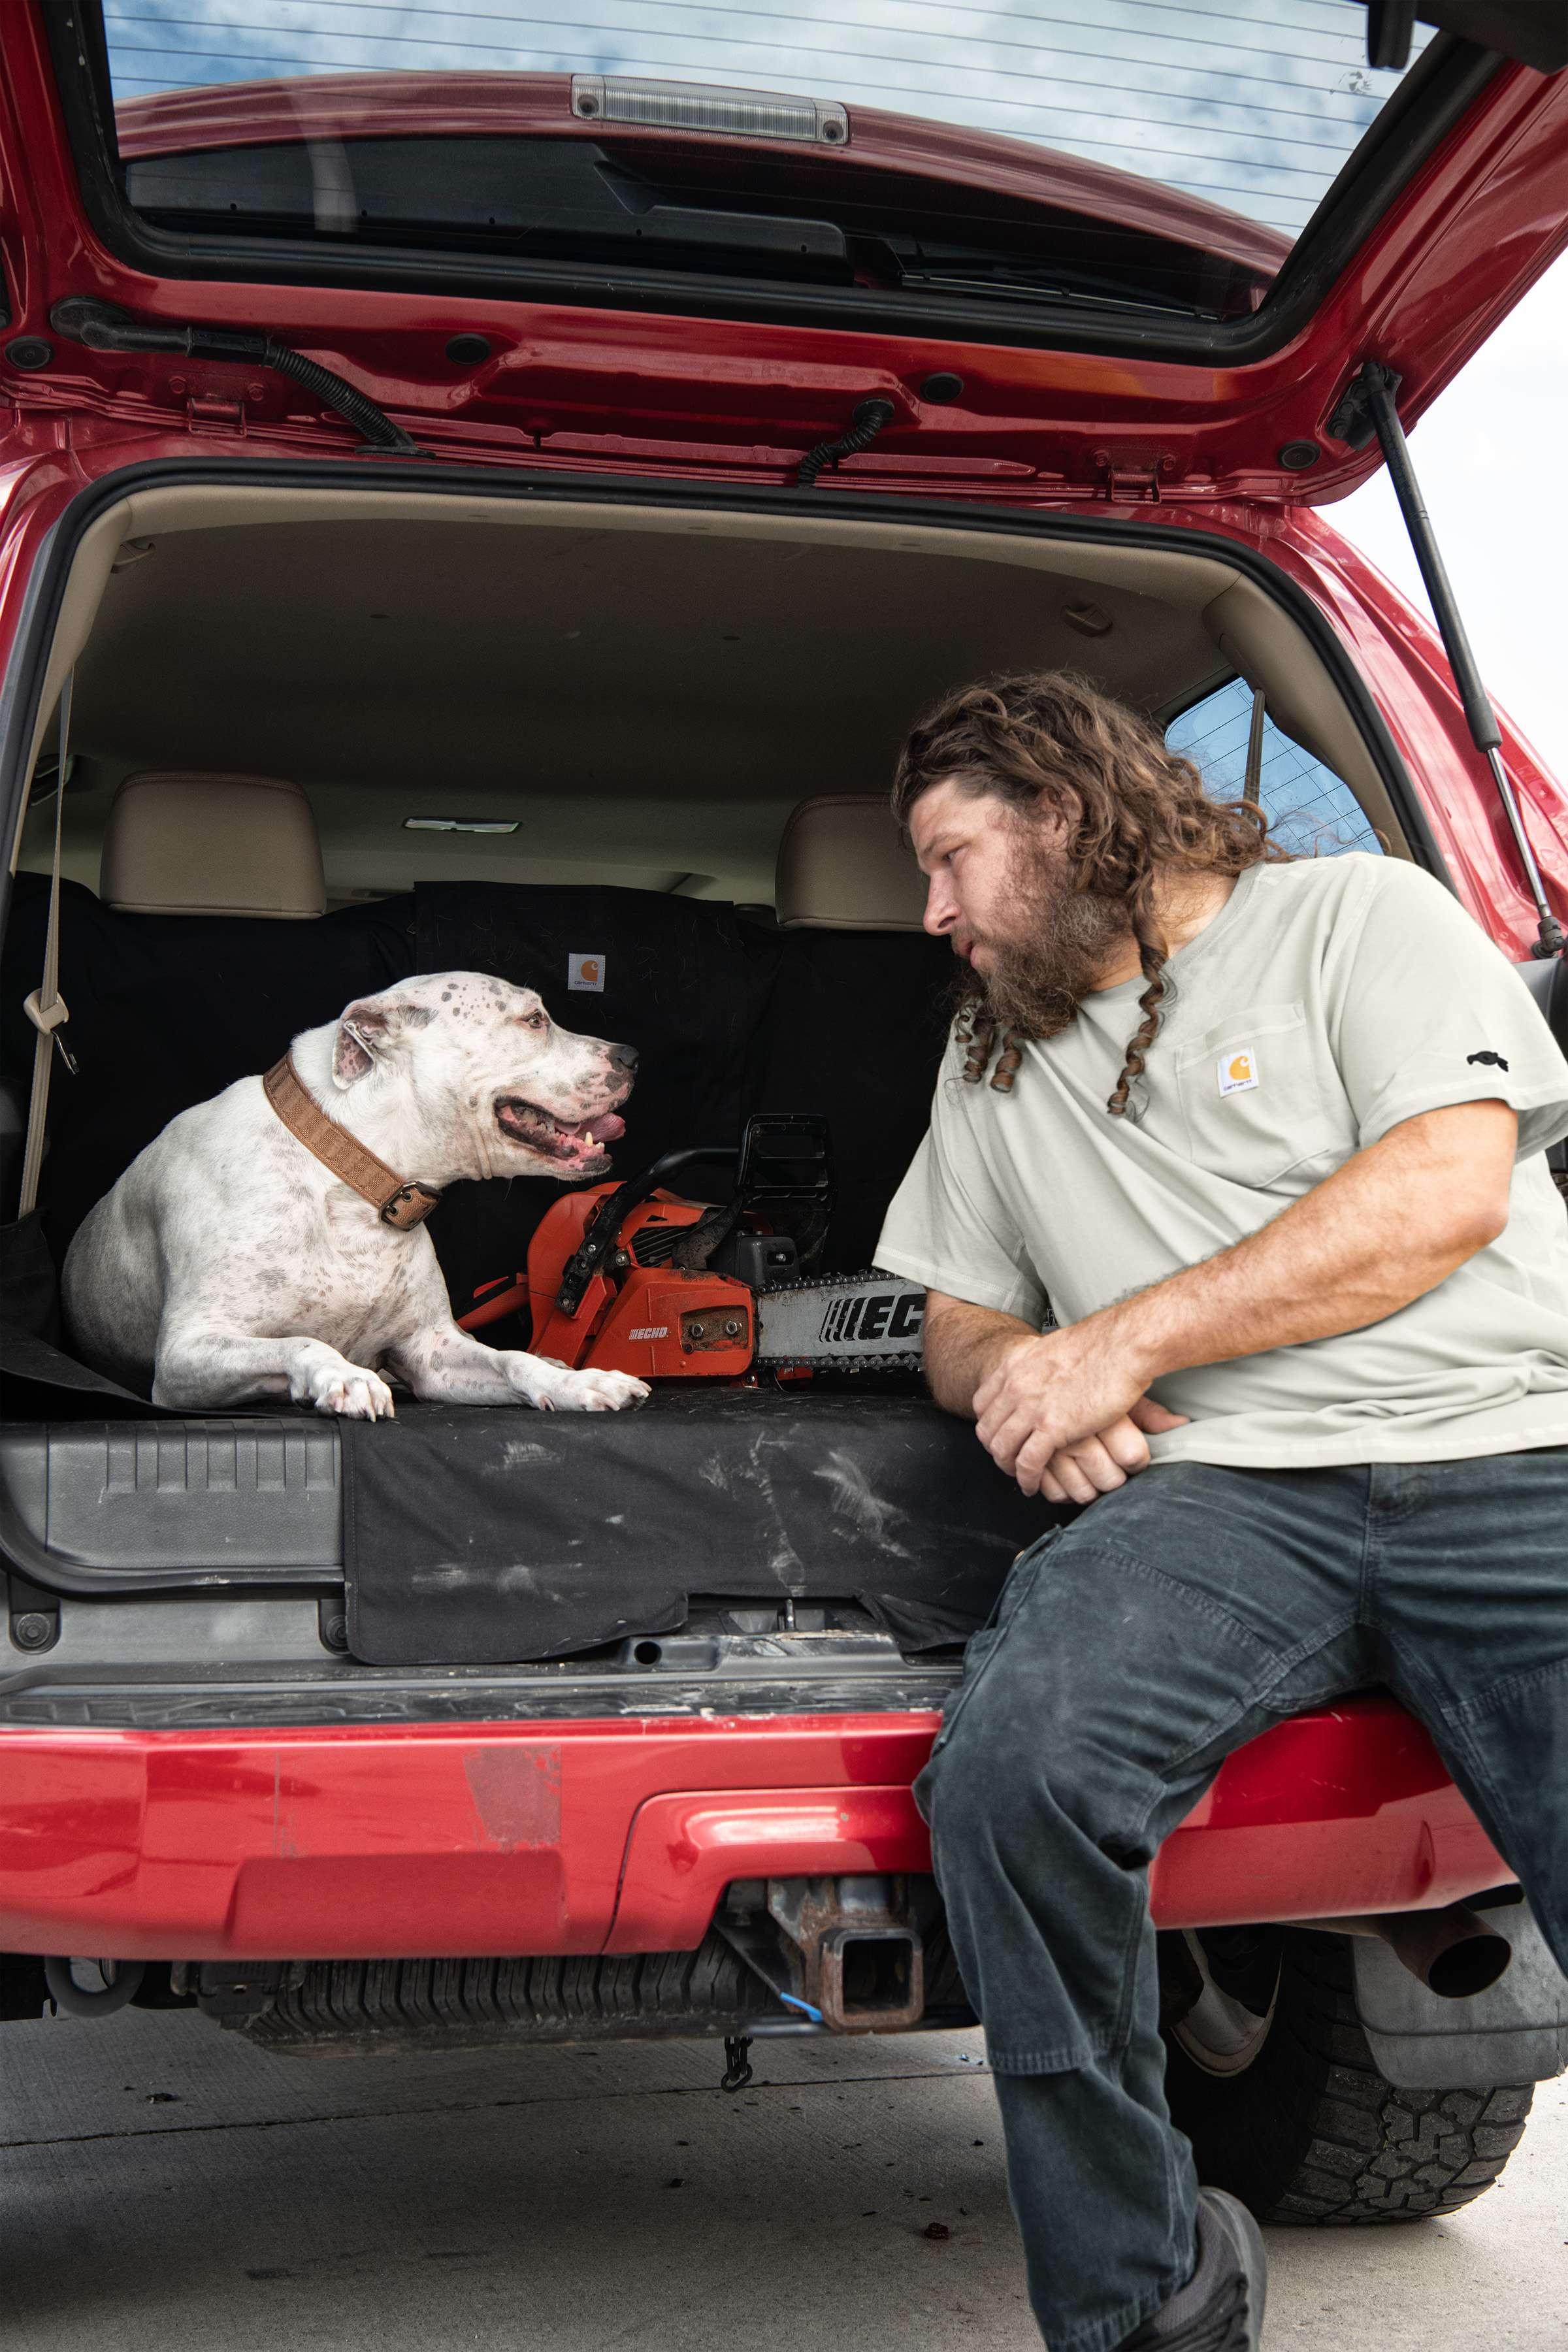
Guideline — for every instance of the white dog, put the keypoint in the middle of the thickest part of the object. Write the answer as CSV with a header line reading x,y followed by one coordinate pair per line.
x,y
234,1260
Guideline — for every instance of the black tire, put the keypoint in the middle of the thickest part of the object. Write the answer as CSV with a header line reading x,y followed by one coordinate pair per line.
x,y
1307,2132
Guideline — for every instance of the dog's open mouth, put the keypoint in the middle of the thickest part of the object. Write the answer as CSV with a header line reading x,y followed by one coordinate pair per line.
x,y
556,1139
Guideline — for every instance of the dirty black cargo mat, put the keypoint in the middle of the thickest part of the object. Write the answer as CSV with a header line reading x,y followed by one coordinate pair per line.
x,y
485,1538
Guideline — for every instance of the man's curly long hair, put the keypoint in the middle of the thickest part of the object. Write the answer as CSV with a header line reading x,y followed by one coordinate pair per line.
x,y
1135,811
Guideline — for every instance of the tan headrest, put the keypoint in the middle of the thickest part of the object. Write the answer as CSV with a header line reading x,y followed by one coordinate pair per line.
x,y
202,845
843,866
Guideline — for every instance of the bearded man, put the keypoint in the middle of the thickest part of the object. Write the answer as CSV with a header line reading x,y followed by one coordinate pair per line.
x,y
1267,1141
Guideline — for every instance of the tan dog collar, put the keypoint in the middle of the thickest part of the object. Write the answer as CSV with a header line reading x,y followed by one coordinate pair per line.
x,y
397,1204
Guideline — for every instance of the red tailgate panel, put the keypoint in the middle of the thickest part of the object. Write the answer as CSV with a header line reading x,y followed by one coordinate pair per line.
x,y
377,1843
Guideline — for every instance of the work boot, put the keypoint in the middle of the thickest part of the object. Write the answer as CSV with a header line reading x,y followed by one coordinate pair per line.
x,y
1220,2309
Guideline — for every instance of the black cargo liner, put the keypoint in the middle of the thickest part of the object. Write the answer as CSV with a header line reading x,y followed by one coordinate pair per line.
x,y
482,1535
483,1538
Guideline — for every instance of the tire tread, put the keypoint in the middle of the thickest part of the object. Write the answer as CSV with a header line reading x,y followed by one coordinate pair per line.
x,y
1320,2139
1379,2153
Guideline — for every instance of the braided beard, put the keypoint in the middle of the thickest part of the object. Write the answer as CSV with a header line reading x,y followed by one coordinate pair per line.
x,y
1058,943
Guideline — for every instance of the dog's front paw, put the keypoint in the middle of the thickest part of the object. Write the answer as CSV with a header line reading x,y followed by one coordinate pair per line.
x,y
349,1389
558,1391
603,1392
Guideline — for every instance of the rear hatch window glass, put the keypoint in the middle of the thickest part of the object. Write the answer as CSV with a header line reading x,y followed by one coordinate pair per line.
x,y
1142,155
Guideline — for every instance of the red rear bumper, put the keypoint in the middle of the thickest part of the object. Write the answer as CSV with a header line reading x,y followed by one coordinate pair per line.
x,y
384,1842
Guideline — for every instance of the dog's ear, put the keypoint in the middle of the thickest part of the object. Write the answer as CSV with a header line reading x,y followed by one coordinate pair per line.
x,y
363,1030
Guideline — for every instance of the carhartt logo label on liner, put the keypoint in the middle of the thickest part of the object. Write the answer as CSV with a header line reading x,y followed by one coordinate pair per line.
x,y
586,971
1237,1070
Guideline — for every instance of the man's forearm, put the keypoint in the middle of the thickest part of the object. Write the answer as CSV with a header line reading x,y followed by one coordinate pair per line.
x,y
962,1344
1350,1251
1385,1228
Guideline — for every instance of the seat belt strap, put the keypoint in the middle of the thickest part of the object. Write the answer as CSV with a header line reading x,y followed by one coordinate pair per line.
x,y
45,1007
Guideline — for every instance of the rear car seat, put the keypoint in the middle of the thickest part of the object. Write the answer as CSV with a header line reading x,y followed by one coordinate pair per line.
x,y
860,1006
685,981
179,843
179,979
842,1010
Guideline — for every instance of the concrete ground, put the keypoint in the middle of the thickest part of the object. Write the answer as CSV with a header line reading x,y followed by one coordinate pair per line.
x,y
163,2185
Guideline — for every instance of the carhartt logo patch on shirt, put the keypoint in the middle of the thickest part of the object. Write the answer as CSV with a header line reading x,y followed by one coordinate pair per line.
x,y
1237,1070
586,971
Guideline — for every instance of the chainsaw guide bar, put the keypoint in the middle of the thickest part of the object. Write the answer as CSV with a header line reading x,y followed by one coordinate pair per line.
x,y
849,1323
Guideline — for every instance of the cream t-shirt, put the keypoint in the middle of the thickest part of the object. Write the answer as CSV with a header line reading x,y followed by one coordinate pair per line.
x,y
1325,1003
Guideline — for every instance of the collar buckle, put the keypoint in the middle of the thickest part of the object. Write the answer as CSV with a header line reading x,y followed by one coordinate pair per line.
x,y
408,1206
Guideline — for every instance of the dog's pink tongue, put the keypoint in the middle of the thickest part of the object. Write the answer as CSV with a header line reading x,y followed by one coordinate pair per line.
x,y
605,1129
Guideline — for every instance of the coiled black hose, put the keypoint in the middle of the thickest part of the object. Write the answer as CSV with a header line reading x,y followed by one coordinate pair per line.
x,y
332,392
868,421
102,328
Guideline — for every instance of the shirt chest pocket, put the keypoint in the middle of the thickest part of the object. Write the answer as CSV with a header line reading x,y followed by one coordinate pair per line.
x,y
1251,1099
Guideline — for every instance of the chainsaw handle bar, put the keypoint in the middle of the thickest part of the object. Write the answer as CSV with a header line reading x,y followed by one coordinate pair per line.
x,y
589,1258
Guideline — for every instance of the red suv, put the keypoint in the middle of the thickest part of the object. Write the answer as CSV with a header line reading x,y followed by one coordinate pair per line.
x,y
507,518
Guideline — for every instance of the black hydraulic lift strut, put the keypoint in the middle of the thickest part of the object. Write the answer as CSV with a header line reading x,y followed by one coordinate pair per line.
x,y
1368,407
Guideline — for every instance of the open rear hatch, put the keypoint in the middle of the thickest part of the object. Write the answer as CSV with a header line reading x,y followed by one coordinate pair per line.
x,y
1132,260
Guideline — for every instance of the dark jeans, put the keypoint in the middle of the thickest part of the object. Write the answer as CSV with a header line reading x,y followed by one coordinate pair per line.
x,y
1133,1649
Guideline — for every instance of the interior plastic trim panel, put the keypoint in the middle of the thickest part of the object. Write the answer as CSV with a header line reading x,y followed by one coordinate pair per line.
x,y
25,673
142,1503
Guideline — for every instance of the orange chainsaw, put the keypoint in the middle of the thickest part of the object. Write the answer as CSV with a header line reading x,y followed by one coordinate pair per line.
x,y
633,1278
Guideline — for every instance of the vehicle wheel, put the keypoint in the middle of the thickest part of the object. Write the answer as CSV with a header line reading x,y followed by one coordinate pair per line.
x,y
1271,2078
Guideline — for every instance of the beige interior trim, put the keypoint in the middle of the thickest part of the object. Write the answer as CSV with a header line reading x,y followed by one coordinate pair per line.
x,y
1196,598
84,588
178,844
193,507
843,867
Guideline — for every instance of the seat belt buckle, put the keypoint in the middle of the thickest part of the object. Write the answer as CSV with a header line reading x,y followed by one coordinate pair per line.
x,y
49,1021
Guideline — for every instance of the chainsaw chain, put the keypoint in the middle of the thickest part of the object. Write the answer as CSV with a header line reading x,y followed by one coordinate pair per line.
x,y
841,1363
830,1282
